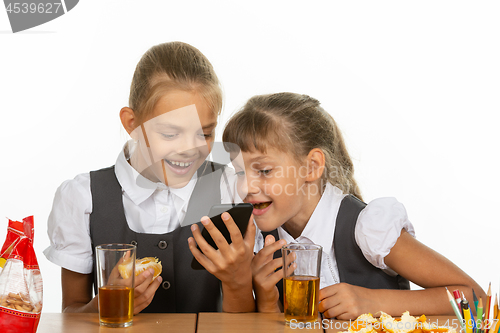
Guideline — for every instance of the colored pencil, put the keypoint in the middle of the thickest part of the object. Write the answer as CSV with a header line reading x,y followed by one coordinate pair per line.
x,y
480,322
487,309
456,294
495,307
467,316
474,298
471,320
454,306
497,325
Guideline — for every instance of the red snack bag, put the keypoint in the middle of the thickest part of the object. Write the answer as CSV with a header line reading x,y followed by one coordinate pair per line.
x,y
21,286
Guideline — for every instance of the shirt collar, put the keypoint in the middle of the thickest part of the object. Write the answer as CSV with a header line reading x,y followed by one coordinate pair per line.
x,y
321,226
184,193
138,187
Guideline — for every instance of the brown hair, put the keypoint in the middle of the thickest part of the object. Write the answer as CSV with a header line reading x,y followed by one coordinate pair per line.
x,y
172,66
293,123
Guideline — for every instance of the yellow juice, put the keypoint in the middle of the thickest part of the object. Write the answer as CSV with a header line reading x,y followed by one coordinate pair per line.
x,y
116,305
300,298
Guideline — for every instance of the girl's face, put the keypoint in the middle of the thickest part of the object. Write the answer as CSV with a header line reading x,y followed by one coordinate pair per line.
x,y
177,138
275,183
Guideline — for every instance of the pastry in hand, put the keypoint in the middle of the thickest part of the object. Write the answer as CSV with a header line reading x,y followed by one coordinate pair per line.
x,y
141,265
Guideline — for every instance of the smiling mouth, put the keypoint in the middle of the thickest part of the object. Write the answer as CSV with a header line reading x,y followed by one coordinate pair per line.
x,y
262,205
179,165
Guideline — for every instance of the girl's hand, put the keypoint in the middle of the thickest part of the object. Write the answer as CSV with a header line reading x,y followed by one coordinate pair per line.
x,y
230,263
265,275
145,289
344,301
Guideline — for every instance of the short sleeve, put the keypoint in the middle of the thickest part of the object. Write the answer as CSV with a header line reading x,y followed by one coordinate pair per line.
x,y
68,226
378,228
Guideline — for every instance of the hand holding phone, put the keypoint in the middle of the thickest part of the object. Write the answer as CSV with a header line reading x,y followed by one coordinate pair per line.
x,y
240,214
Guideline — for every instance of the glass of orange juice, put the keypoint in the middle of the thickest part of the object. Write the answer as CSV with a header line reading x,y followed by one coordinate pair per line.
x,y
116,294
301,268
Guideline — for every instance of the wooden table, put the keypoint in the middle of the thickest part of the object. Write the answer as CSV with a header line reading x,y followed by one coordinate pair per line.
x,y
206,322
209,322
170,322
144,322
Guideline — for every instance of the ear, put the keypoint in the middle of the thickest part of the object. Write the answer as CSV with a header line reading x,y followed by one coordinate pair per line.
x,y
127,116
315,164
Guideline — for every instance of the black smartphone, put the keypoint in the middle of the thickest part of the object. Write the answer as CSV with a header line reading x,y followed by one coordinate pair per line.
x,y
240,213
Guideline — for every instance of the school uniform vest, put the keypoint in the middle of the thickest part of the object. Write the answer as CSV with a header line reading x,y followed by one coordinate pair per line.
x,y
183,289
351,263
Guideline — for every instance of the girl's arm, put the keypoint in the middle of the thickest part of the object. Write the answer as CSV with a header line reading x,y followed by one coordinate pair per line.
x,y
419,264
428,269
77,291
230,263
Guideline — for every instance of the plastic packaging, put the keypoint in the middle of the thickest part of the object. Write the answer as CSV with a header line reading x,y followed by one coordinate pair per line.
x,y
21,286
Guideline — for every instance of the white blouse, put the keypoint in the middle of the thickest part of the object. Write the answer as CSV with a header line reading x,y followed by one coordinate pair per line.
x,y
149,208
377,230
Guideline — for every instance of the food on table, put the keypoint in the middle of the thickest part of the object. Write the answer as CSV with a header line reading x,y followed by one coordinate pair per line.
x,y
366,323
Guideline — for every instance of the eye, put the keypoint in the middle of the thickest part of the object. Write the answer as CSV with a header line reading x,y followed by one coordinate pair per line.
x,y
240,173
168,136
205,133
265,172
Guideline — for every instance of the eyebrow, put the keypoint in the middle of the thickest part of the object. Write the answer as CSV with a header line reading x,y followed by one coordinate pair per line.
x,y
175,127
167,126
212,125
262,158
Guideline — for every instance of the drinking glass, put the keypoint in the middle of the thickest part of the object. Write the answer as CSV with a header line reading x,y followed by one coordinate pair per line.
x,y
301,269
116,292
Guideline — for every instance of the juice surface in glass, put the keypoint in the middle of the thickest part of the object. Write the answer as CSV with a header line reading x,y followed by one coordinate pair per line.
x,y
116,306
300,300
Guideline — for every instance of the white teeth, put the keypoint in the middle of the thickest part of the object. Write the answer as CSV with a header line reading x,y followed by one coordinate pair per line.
x,y
181,164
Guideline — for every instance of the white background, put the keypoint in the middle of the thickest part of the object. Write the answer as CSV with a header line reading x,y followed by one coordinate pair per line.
x,y
413,85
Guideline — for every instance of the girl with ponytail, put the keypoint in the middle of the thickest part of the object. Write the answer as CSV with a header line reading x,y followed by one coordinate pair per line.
x,y
296,171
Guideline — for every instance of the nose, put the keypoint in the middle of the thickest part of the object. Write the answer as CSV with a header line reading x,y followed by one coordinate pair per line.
x,y
248,186
242,188
252,185
188,143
